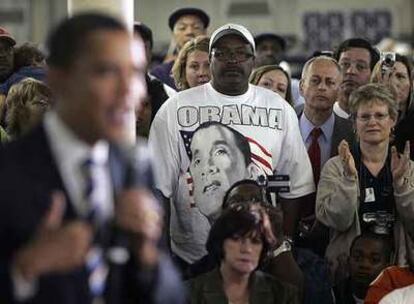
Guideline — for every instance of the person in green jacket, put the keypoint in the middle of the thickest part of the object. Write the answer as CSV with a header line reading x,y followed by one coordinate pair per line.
x,y
239,241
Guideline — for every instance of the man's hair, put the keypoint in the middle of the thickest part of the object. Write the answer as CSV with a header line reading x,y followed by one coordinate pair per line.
x,y
67,40
28,54
319,58
358,43
235,223
373,92
145,32
241,141
385,239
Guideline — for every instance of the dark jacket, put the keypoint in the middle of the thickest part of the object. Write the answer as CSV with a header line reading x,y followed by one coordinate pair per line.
x,y
208,289
163,73
28,175
404,131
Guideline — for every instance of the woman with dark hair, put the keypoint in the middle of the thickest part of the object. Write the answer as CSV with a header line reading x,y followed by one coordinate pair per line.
x,y
239,241
275,78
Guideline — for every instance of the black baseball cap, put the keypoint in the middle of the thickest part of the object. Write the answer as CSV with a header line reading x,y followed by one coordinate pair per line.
x,y
271,36
177,14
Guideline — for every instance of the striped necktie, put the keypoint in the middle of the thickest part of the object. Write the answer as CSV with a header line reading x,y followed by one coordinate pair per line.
x,y
95,262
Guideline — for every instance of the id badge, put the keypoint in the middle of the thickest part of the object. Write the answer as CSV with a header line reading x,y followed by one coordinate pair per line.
x,y
369,195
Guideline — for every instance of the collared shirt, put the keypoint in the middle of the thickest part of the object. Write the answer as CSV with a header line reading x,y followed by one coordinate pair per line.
x,y
70,153
339,111
324,140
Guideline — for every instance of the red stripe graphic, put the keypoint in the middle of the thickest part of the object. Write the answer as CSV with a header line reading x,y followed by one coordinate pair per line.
x,y
262,161
259,146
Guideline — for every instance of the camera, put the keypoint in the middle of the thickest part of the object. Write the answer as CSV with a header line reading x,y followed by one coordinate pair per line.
x,y
380,222
387,61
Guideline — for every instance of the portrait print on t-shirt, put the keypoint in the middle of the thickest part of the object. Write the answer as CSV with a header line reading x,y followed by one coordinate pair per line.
x,y
198,155
219,156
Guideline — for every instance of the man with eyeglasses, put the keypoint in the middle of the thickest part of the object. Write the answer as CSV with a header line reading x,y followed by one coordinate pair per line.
x,y
267,122
357,57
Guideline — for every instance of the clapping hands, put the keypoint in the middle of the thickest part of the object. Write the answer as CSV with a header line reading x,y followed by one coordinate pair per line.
x,y
347,159
400,165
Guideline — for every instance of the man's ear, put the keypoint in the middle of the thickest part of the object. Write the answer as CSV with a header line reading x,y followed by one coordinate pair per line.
x,y
301,84
56,78
253,171
394,122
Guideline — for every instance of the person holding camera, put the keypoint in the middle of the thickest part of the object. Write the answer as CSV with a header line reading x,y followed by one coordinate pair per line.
x,y
369,182
395,71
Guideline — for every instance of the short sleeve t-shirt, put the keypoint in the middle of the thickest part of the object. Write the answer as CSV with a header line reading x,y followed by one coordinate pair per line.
x,y
204,141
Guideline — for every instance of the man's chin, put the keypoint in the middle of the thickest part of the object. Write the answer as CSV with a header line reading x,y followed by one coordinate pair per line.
x,y
117,135
210,209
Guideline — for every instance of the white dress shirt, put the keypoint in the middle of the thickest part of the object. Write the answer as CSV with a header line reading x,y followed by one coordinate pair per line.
x,y
70,152
339,111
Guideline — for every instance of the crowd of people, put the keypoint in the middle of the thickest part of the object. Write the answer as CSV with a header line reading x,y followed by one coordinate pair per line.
x,y
245,185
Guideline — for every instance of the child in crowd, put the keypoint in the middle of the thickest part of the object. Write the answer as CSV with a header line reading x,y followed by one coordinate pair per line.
x,y
370,253
394,277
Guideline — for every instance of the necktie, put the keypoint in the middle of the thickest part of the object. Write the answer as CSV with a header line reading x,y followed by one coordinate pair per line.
x,y
89,192
95,263
314,152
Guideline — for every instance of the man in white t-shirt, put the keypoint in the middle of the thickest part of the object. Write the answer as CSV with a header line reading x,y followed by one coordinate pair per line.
x,y
267,123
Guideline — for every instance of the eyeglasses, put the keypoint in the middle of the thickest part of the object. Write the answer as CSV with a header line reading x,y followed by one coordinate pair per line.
x,y
226,55
377,117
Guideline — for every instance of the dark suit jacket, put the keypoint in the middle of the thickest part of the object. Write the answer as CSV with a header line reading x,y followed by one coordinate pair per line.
x,y
28,175
163,73
343,129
